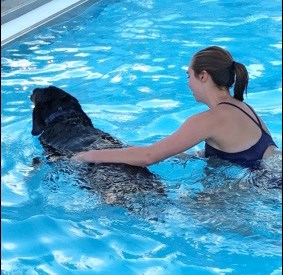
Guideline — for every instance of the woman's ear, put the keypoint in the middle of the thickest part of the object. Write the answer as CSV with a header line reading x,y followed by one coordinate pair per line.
x,y
203,76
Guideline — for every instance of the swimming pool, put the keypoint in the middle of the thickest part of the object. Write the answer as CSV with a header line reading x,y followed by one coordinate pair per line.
x,y
125,61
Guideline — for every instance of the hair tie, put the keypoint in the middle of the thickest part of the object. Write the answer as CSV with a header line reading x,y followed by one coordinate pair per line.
x,y
233,65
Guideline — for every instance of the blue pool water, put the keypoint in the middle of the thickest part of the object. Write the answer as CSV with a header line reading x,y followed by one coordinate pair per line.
x,y
125,61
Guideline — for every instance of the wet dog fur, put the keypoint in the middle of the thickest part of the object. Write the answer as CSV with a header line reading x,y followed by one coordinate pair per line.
x,y
64,129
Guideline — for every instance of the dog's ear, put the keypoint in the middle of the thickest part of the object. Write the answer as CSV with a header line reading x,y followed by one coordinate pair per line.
x,y
37,121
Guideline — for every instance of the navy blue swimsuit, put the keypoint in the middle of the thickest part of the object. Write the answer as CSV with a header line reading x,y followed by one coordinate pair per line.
x,y
249,157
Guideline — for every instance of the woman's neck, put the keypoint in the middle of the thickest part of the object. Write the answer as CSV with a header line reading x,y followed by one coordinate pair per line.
x,y
220,95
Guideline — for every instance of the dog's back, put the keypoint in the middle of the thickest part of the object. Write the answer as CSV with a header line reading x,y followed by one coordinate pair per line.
x,y
64,129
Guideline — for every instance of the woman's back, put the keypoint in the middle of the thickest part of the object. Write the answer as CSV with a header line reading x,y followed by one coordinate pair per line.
x,y
240,136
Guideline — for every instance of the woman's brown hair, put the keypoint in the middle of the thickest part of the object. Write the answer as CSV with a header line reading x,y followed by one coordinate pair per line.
x,y
223,70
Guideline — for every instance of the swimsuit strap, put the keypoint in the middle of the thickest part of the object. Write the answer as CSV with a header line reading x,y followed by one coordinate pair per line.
x,y
255,115
258,123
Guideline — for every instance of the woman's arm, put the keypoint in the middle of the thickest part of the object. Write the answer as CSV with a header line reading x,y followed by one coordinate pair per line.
x,y
194,130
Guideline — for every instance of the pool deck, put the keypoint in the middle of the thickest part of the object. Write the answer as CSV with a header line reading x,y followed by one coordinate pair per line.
x,y
19,17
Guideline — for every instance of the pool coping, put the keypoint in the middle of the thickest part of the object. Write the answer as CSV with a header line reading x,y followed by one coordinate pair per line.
x,y
16,9
18,21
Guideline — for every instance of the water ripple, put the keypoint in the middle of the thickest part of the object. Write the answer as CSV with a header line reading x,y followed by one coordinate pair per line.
x,y
125,61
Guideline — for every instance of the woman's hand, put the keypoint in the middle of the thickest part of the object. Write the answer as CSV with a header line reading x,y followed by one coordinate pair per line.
x,y
85,156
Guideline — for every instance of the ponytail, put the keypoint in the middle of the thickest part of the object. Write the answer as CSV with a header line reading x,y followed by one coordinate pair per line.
x,y
241,80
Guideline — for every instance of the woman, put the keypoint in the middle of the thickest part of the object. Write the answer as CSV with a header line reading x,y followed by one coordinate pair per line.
x,y
230,128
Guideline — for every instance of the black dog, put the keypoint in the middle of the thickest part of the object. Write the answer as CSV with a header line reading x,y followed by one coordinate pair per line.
x,y
65,129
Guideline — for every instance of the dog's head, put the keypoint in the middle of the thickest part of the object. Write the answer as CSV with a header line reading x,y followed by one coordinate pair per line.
x,y
49,94
47,101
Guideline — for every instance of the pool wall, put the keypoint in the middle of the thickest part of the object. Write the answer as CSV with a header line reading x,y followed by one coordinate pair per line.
x,y
20,17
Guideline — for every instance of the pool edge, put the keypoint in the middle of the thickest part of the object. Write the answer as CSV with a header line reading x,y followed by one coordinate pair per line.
x,y
32,26
13,11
